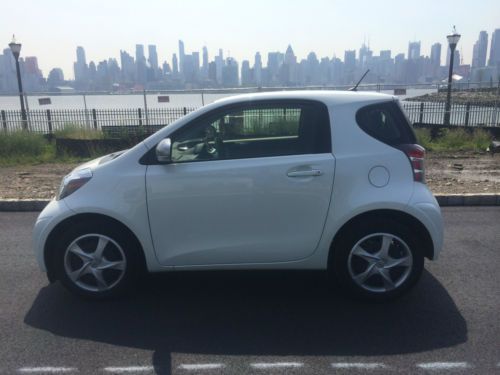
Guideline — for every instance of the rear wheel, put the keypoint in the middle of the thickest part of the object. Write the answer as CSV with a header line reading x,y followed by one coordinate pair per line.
x,y
97,261
377,260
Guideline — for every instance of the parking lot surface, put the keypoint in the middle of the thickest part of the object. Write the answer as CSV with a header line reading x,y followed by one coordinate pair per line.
x,y
258,322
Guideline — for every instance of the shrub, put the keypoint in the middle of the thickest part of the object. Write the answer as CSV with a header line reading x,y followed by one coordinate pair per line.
x,y
454,139
21,143
78,132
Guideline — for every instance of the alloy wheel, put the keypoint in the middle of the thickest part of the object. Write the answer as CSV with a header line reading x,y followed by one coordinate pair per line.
x,y
380,262
95,262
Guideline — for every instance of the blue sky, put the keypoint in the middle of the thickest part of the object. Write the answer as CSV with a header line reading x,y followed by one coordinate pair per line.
x,y
51,29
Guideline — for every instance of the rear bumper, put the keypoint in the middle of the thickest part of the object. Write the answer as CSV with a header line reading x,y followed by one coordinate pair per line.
x,y
425,208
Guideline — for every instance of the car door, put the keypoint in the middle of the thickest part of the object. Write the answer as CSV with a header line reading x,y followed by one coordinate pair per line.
x,y
248,183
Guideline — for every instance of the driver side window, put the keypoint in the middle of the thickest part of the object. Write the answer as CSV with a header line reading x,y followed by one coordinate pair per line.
x,y
255,130
198,142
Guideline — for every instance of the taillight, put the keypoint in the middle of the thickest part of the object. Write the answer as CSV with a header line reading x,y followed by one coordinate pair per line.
x,y
416,155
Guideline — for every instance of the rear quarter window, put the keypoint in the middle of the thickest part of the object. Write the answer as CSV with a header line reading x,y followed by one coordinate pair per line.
x,y
386,122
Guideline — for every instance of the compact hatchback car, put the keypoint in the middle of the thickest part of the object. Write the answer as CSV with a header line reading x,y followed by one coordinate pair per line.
x,y
285,180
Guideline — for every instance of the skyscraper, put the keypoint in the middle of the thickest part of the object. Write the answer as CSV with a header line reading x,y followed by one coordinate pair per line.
x,y
413,50
495,49
175,64
153,57
257,69
479,50
140,63
128,70
436,55
204,67
181,56
219,64
246,73
80,66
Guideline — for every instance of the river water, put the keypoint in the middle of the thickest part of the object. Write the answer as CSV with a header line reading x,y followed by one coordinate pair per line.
x,y
115,101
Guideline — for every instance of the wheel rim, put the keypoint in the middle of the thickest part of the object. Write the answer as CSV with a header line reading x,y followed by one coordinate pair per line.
x,y
380,262
95,262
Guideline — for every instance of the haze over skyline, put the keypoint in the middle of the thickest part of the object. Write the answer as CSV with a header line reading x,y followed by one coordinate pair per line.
x,y
51,30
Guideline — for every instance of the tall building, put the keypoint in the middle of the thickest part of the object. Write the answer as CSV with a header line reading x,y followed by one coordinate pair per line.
x,y
495,49
181,56
257,69
204,66
80,66
140,62
153,57
274,62
246,73
55,78
289,68
479,50
175,64
349,66
365,56
413,50
436,54
230,73
219,64
128,70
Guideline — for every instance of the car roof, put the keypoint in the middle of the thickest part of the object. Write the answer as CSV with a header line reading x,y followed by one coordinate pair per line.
x,y
329,97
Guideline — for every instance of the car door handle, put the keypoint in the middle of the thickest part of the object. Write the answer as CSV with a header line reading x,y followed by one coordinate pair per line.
x,y
306,173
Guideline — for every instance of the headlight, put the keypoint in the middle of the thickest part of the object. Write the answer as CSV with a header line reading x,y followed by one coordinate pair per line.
x,y
74,181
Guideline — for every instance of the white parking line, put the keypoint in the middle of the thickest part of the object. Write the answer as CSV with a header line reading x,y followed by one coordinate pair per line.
x,y
201,366
443,365
46,369
264,365
358,365
127,369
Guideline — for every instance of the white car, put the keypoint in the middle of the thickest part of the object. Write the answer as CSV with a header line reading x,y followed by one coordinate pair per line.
x,y
314,180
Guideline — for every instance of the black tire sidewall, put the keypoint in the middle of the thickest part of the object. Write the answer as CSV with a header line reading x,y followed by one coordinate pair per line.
x,y
116,234
339,261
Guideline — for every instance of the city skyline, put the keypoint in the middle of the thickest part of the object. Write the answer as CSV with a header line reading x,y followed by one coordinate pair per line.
x,y
186,69
51,30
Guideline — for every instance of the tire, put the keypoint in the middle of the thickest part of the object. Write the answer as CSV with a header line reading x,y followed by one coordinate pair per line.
x,y
377,260
97,260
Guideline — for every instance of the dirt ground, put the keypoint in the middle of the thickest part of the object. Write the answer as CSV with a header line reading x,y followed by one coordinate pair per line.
x,y
446,173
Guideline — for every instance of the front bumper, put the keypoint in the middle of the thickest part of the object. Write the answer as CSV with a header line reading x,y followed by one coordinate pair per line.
x,y
52,214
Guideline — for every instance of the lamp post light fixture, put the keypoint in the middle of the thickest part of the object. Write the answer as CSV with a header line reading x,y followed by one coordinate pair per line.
x,y
452,42
16,50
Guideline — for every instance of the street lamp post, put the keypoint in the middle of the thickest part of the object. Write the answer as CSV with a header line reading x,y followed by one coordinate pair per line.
x,y
452,41
16,50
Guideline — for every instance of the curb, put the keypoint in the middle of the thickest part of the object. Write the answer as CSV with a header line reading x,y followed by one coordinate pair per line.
x,y
22,205
444,200
450,200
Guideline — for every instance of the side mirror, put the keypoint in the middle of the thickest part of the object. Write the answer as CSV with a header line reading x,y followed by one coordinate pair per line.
x,y
163,151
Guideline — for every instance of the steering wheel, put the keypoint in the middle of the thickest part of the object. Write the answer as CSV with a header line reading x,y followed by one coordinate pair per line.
x,y
210,136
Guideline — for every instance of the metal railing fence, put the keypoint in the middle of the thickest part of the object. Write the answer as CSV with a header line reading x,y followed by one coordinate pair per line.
x,y
52,120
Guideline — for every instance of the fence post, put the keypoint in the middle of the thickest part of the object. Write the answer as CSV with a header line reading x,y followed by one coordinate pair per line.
x,y
94,118
467,110
4,121
139,112
49,122
421,116
185,111
146,108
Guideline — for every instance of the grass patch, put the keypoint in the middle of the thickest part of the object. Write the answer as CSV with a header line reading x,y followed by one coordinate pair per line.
x,y
454,140
78,132
24,148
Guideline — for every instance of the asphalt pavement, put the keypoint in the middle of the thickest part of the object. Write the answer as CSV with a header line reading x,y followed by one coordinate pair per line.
x,y
258,322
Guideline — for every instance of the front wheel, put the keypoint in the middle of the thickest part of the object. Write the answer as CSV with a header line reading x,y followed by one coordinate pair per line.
x,y
96,261
377,260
